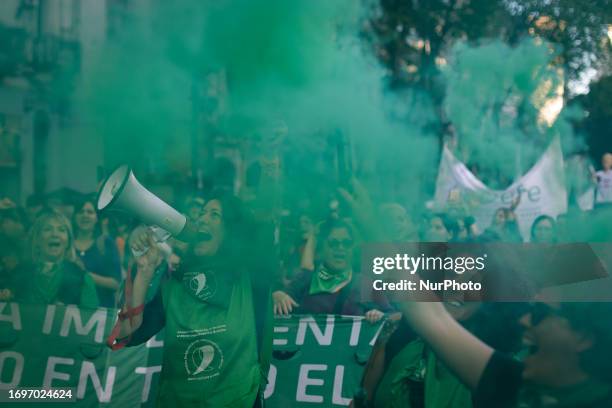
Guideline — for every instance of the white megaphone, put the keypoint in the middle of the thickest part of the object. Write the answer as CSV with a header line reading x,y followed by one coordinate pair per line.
x,y
122,191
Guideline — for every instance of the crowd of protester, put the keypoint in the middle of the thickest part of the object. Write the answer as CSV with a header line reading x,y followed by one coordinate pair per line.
x,y
59,249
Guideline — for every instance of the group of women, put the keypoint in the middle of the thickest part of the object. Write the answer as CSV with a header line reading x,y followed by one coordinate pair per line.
x,y
472,354
217,307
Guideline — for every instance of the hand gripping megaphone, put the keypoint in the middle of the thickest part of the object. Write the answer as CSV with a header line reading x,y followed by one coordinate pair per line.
x,y
122,191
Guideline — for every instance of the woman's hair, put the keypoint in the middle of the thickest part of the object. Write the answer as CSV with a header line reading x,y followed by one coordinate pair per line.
x,y
237,226
538,220
78,206
450,223
32,251
593,319
326,228
453,227
494,218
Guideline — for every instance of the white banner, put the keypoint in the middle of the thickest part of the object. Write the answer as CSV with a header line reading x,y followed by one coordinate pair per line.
x,y
542,190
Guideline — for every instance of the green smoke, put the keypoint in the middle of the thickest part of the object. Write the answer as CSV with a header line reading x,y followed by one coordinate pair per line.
x,y
305,64
299,62
494,96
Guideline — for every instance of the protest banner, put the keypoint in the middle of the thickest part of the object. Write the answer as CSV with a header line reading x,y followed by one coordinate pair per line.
x,y
316,360
542,190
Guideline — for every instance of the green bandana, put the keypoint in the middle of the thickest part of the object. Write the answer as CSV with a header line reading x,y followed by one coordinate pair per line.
x,y
46,285
323,281
45,288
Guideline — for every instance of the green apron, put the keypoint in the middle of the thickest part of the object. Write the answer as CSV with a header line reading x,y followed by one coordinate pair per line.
x,y
210,345
444,390
45,288
414,363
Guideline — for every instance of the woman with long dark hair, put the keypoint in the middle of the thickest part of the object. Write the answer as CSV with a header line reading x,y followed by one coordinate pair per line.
x,y
331,286
215,309
97,252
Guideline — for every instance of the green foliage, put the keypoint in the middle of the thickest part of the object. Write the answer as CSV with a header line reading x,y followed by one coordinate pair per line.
x,y
597,124
578,27
402,27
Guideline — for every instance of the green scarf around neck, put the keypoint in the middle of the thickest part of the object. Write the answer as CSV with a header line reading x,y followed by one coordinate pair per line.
x,y
325,281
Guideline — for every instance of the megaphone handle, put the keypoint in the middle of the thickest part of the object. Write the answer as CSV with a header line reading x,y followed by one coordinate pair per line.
x,y
159,235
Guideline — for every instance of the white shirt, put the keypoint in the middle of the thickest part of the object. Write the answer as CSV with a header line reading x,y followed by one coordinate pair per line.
x,y
604,187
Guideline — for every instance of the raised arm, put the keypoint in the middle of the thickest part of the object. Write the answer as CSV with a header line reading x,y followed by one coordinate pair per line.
x,y
307,260
146,266
104,281
459,349
112,276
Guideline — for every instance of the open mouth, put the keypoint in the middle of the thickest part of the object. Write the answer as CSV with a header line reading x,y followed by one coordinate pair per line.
x,y
204,236
339,256
338,259
54,245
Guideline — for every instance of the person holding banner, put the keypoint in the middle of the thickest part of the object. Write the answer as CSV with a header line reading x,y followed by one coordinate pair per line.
x,y
504,225
543,230
330,286
570,348
214,311
50,274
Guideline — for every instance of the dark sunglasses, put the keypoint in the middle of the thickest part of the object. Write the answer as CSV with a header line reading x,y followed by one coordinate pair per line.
x,y
336,243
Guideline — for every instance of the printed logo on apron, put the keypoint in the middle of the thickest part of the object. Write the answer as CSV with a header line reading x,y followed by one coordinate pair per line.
x,y
203,360
200,284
